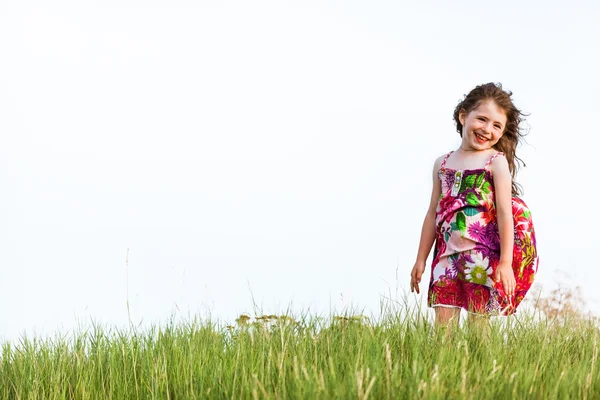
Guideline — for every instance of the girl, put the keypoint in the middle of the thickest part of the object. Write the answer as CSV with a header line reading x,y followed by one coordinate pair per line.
x,y
485,255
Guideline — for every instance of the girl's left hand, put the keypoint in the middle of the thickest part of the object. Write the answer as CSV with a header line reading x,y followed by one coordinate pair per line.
x,y
505,275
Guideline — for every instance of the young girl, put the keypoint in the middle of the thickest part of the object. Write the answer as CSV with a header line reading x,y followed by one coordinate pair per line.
x,y
485,254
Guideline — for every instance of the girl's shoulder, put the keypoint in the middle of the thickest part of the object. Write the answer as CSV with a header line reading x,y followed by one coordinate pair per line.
x,y
439,163
441,160
498,162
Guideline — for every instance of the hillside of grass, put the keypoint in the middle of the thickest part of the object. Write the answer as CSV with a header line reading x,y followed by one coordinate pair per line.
x,y
400,355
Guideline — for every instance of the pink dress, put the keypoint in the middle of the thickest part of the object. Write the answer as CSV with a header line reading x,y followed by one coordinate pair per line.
x,y
467,246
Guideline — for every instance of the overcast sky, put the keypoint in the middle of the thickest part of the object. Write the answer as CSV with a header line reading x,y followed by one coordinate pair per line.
x,y
268,152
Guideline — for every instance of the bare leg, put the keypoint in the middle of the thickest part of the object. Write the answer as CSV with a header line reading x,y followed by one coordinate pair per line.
x,y
479,319
480,322
446,316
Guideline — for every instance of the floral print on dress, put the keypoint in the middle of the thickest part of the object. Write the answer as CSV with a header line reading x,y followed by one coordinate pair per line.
x,y
479,271
467,248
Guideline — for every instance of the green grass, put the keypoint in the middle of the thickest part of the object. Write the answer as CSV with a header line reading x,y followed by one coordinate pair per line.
x,y
398,356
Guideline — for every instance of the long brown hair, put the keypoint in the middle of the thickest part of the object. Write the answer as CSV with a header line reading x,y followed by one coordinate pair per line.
x,y
513,133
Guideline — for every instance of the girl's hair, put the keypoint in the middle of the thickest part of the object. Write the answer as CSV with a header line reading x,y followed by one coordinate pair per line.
x,y
513,133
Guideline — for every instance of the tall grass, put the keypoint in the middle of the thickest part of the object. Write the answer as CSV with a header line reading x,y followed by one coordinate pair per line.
x,y
401,355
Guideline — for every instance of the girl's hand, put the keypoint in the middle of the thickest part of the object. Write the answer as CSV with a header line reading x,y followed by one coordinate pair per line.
x,y
505,275
415,276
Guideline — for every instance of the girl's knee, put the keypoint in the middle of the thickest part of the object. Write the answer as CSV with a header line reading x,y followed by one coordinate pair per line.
x,y
446,315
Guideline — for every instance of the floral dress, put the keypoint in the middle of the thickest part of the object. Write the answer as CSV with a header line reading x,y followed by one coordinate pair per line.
x,y
467,247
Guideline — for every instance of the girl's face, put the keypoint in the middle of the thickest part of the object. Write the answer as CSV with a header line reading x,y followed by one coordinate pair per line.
x,y
483,126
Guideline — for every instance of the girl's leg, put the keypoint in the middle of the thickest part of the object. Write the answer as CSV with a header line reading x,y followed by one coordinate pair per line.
x,y
480,322
479,330
446,316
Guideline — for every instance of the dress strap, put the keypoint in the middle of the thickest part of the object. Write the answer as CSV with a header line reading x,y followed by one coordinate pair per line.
x,y
492,159
445,159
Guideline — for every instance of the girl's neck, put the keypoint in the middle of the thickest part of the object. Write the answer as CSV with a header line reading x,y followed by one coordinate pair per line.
x,y
472,151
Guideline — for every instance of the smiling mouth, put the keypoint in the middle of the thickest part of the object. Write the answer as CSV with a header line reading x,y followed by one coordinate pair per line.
x,y
480,138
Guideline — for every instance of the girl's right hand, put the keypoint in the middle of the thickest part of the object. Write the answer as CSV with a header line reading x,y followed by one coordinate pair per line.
x,y
415,276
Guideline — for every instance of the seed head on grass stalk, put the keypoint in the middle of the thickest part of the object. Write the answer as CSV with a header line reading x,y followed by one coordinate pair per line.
x,y
243,319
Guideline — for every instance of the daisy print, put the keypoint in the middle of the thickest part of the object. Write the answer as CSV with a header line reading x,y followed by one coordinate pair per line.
x,y
479,270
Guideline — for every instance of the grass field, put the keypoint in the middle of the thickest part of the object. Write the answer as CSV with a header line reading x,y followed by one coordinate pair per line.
x,y
401,355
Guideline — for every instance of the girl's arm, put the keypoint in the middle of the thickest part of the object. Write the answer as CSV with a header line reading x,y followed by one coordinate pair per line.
x,y
503,193
427,231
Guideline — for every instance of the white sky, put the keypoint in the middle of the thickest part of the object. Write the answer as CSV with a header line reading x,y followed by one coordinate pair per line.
x,y
269,149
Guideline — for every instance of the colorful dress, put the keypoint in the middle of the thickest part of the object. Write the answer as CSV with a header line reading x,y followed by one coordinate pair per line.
x,y
467,246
